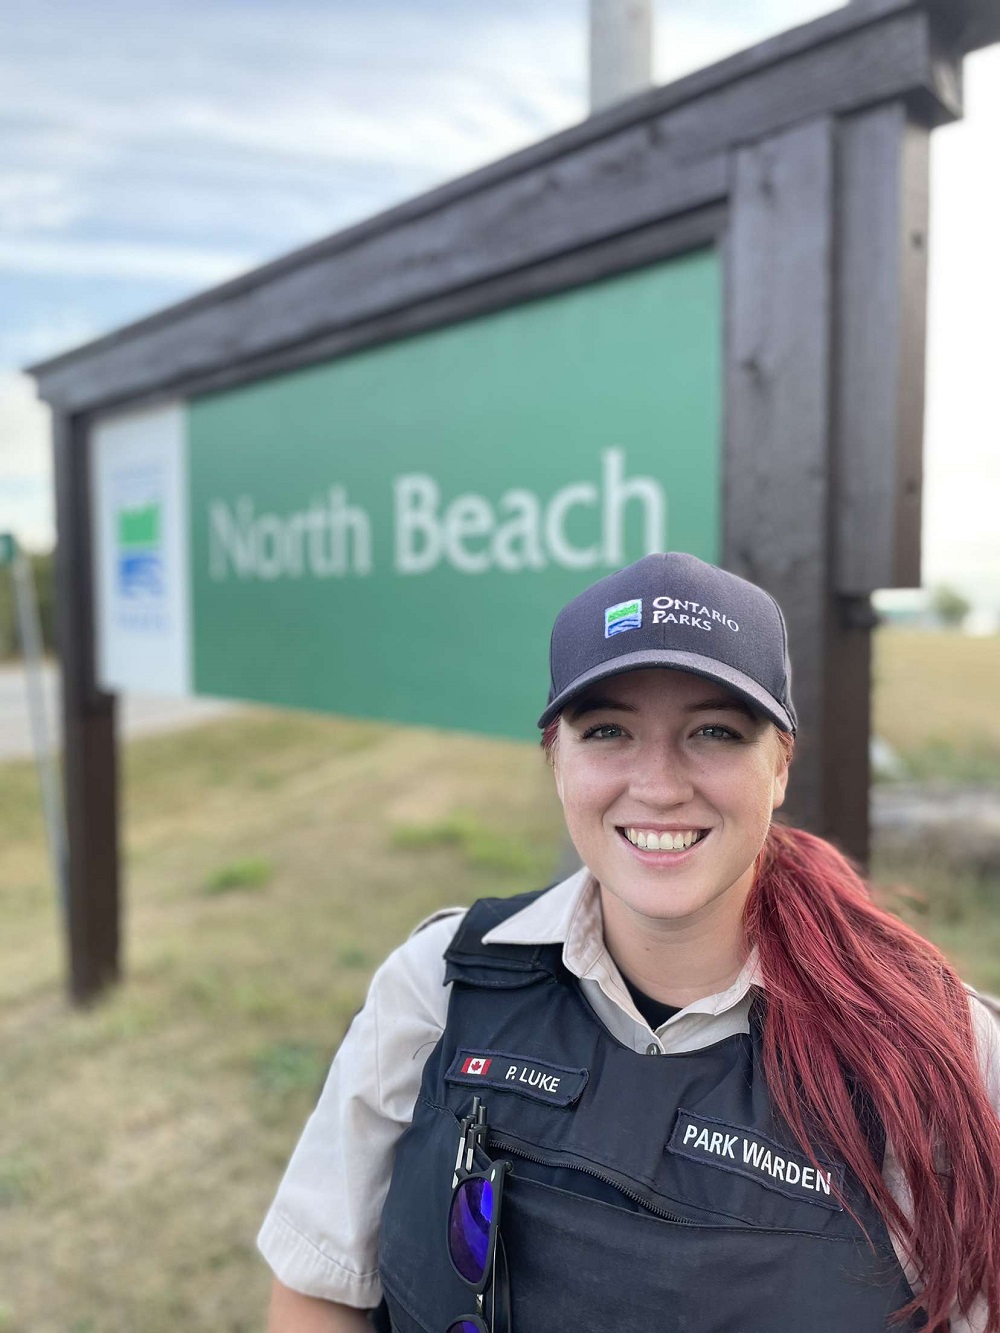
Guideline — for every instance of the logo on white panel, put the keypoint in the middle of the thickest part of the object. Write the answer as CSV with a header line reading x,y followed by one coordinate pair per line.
x,y
139,562
140,552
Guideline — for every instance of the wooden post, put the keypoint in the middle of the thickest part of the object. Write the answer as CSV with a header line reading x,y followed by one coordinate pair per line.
x,y
777,494
89,754
826,280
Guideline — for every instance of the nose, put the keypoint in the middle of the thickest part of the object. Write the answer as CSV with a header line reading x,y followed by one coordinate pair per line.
x,y
661,777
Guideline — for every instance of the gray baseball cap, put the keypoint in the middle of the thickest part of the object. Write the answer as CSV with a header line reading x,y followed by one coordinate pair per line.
x,y
673,610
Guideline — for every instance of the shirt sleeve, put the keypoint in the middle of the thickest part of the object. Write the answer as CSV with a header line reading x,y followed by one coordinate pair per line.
x,y
320,1236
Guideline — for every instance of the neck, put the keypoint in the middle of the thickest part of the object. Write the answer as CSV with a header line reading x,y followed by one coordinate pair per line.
x,y
678,962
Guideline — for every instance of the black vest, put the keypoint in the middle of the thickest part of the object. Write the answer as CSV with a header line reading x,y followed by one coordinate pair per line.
x,y
646,1192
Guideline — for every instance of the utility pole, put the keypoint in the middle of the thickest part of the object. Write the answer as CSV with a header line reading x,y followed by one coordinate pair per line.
x,y
621,50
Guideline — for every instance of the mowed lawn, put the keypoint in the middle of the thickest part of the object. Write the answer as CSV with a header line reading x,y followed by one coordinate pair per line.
x,y
271,860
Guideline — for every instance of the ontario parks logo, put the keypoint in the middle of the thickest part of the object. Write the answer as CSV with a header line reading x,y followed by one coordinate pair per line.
x,y
624,616
140,555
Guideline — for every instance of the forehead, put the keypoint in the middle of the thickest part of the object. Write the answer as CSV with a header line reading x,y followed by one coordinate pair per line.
x,y
657,687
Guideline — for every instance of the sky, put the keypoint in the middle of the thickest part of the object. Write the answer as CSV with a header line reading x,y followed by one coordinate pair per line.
x,y
151,150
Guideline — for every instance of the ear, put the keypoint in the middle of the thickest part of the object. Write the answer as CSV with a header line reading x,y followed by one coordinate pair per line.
x,y
780,782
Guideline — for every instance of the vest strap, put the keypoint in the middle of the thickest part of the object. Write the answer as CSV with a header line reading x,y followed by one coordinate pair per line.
x,y
498,966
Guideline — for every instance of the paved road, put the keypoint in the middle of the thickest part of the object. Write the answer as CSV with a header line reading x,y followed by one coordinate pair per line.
x,y
142,714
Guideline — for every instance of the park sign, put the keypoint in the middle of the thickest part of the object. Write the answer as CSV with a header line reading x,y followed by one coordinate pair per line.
x,y
390,534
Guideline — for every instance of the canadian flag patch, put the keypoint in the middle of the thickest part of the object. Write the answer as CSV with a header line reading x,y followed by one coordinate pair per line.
x,y
475,1064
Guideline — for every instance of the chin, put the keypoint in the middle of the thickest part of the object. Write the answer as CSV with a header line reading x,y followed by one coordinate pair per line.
x,y
663,907
657,899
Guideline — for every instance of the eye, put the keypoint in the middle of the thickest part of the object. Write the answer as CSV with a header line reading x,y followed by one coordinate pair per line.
x,y
603,731
716,731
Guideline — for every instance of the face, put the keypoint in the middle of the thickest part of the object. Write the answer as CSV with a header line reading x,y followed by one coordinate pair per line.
x,y
667,783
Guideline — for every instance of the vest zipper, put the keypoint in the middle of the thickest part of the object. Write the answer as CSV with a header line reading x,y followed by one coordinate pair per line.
x,y
497,1141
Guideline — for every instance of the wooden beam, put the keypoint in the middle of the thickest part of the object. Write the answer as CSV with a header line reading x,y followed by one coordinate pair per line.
x,y
646,245
89,752
881,318
981,23
968,24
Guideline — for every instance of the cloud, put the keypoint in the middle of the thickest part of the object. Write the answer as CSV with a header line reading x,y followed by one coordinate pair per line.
x,y
26,500
252,128
36,199
24,429
43,337
118,260
247,130
690,37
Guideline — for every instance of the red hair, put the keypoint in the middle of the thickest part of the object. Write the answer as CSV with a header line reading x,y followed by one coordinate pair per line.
x,y
851,990
850,987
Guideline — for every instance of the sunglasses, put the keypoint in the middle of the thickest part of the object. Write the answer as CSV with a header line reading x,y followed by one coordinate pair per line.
x,y
473,1224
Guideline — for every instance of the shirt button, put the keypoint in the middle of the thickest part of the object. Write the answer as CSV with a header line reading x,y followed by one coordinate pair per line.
x,y
653,1049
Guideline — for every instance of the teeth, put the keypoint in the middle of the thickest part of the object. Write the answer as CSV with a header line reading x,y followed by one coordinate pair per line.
x,y
651,841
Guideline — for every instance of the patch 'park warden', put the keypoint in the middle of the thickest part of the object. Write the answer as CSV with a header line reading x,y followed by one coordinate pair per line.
x,y
532,1078
747,1153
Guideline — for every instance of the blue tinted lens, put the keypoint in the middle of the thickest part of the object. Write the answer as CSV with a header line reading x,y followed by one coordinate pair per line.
x,y
464,1326
469,1229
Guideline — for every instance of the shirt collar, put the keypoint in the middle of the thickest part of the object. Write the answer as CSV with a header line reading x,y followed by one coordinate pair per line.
x,y
569,914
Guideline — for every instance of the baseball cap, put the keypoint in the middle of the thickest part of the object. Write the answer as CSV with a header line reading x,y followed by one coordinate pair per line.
x,y
672,610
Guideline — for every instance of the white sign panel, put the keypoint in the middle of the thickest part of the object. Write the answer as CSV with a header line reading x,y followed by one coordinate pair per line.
x,y
140,497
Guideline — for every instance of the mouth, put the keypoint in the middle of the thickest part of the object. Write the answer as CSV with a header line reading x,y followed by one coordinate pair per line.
x,y
654,840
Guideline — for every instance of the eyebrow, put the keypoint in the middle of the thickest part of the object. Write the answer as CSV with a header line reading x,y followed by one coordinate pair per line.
x,y
601,704
597,704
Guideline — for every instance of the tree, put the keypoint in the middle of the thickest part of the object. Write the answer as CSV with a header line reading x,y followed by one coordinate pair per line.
x,y
43,573
949,606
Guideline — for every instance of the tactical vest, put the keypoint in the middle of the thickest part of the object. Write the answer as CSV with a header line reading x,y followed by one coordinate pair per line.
x,y
645,1192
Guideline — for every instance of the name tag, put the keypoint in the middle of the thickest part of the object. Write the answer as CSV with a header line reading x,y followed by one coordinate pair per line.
x,y
537,1079
747,1153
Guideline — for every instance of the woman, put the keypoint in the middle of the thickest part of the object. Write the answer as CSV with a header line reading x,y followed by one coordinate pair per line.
x,y
704,1084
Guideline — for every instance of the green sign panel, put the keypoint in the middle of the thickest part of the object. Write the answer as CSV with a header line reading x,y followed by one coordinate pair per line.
x,y
389,535
8,548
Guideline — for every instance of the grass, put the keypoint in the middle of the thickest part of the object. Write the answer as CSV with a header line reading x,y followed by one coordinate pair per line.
x,y
934,701
271,859
481,847
252,872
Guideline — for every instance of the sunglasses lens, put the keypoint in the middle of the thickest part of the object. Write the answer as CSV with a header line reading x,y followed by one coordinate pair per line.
x,y
469,1232
463,1326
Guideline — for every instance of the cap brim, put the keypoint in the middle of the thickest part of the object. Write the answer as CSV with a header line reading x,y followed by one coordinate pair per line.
x,y
742,686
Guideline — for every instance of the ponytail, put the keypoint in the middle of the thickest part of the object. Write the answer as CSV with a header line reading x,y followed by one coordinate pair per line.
x,y
850,988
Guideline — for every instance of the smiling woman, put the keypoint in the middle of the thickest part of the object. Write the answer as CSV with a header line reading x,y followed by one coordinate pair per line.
x,y
654,757
495,1147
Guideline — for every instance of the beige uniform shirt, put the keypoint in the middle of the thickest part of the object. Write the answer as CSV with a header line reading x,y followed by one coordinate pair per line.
x,y
320,1236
